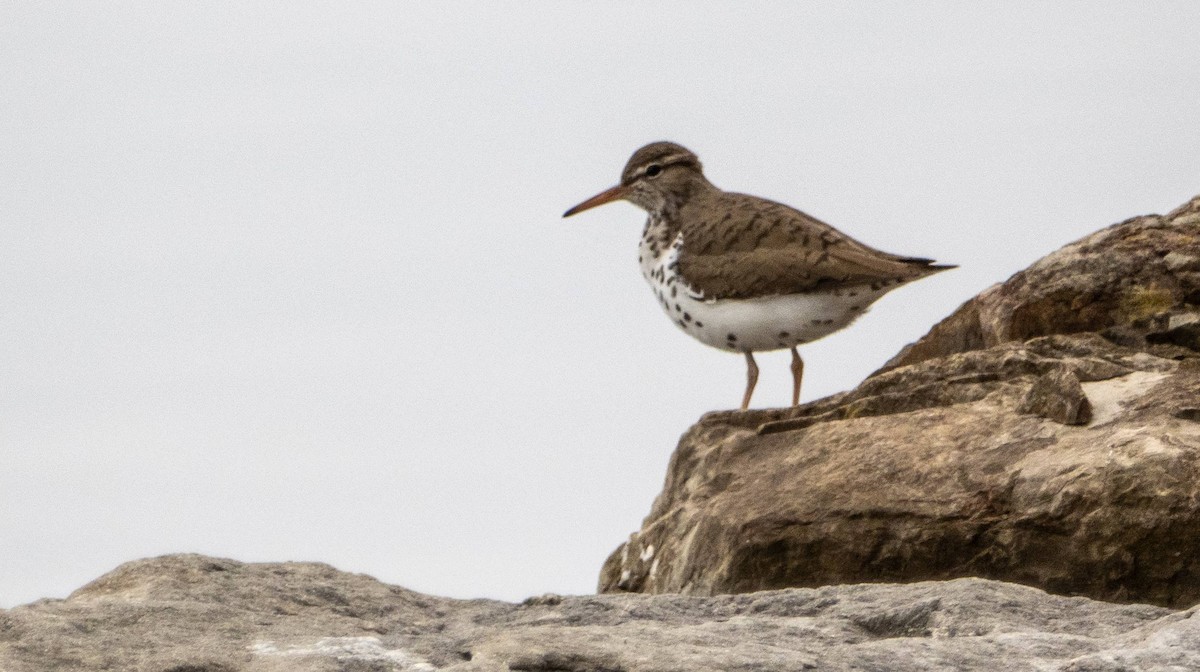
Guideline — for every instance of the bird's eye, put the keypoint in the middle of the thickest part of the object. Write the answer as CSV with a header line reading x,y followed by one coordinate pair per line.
x,y
653,169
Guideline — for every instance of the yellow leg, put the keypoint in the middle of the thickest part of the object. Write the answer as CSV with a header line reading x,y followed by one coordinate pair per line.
x,y
751,380
797,374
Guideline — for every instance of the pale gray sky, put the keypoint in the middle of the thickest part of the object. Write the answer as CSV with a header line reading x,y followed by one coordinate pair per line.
x,y
288,282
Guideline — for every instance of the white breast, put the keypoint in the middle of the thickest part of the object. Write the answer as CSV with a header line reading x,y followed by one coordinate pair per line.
x,y
747,325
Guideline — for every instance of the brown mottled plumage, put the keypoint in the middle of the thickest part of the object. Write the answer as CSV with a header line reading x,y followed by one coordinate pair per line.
x,y
760,274
758,247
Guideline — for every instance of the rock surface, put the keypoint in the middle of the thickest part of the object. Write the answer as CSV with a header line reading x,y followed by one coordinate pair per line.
x,y
191,613
1046,433
1137,282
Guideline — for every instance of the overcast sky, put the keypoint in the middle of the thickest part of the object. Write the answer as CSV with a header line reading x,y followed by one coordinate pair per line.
x,y
286,282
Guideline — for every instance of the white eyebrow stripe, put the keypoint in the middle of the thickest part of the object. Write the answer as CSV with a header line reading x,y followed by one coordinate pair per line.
x,y
672,158
664,161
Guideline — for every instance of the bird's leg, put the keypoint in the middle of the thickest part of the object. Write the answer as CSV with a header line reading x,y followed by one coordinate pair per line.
x,y
751,379
797,374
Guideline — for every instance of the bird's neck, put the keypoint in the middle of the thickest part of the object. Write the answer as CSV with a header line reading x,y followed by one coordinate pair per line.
x,y
665,209
663,202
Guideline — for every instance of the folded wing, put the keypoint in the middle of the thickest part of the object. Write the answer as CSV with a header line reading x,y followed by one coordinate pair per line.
x,y
763,248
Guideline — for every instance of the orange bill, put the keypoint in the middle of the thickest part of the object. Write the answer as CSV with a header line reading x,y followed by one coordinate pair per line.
x,y
616,193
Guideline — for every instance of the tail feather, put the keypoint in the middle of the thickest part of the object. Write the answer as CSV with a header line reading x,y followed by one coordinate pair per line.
x,y
927,263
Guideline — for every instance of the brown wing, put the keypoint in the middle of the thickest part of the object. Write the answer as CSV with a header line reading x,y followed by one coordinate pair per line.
x,y
738,246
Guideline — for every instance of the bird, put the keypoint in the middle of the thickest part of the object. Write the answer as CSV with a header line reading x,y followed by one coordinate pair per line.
x,y
745,274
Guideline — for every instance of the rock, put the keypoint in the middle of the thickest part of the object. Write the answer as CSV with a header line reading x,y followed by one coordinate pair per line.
x,y
1130,277
1058,396
192,613
1043,434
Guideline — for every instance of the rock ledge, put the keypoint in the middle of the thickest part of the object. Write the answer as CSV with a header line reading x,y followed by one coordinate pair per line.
x,y
191,613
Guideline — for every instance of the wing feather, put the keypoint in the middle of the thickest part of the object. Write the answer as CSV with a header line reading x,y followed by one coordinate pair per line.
x,y
758,247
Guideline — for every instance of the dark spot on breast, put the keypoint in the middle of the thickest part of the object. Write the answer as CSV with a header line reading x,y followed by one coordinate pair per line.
x,y
731,337
674,291
699,323
677,308
783,334
687,318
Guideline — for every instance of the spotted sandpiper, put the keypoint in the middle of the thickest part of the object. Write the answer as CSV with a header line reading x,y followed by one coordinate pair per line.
x,y
745,274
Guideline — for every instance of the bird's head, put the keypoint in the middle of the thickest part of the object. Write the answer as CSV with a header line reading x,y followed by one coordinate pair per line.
x,y
657,177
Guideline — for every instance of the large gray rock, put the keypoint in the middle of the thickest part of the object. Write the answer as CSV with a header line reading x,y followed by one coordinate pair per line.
x,y
1048,434
192,613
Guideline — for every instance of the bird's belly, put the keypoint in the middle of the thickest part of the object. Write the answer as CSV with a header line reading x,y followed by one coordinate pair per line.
x,y
768,323
751,325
